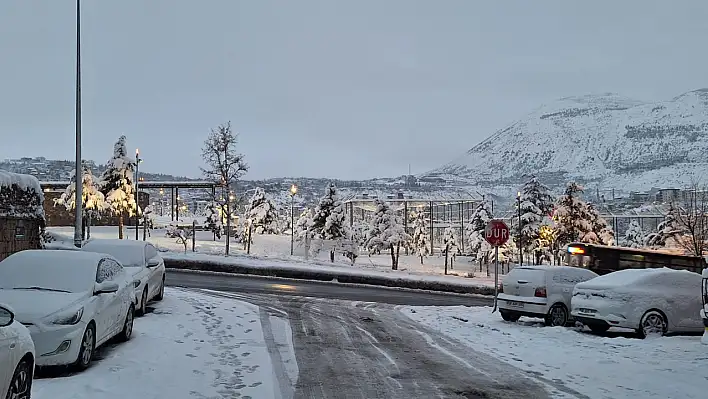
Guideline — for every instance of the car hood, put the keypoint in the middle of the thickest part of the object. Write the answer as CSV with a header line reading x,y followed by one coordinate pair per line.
x,y
137,273
31,305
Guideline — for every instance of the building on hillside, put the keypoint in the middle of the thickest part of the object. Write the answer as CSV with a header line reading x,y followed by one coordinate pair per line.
x,y
21,213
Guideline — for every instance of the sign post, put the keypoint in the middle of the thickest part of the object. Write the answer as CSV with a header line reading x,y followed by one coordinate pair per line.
x,y
497,234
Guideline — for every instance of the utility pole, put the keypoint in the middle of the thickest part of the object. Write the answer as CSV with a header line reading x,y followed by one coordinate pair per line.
x,y
79,208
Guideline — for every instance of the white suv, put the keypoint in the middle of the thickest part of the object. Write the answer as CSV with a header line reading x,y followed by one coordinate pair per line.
x,y
540,291
16,357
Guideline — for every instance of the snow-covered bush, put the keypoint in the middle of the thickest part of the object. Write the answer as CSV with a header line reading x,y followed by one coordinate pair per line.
x,y
634,236
450,244
667,231
262,213
386,232
213,219
117,183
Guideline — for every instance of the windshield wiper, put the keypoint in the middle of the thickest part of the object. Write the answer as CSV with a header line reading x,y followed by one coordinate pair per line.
x,y
41,289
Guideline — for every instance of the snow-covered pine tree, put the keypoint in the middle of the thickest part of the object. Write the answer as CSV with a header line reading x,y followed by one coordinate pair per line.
x,y
329,219
387,232
450,244
262,213
571,215
213,219
302,226
634,236
93,203
117,183
666,232
420,238
475,228
536,206
600,232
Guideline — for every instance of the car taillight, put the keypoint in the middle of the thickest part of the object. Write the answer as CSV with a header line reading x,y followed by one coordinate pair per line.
x,y
501,288
540,292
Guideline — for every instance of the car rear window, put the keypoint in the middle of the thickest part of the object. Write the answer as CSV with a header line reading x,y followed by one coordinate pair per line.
x,y
529,274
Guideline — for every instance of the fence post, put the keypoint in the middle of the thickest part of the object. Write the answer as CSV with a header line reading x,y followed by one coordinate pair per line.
x,y
248,244
194,233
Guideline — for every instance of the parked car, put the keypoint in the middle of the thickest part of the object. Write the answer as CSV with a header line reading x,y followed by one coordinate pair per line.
x,y
71,301
540,291
16,357
649,301
141,260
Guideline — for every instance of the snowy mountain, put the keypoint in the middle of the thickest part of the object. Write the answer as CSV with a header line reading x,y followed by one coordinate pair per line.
x,y
605,141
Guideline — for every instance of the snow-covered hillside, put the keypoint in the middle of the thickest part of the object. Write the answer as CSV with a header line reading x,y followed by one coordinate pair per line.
x,y
606,140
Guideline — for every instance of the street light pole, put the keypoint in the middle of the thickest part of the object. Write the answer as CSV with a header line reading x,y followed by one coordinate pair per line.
x,y
521,246
137,178
293,191
78,222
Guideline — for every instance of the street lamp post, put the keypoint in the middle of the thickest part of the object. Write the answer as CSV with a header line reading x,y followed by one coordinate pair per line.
x,y
78,222
293,191
162,201
521,247
137,178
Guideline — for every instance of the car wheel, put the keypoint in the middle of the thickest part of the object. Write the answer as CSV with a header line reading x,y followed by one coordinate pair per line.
x,y
508,315
161,294
128,325
21,383
599,328
653,323
143,302
87,348
557,316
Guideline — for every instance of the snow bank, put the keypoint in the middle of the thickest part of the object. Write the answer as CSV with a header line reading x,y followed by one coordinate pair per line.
x,y
578,363
247,265
192,345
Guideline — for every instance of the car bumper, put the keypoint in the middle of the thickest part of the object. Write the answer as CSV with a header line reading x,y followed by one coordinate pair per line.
x,y
603,319
57,345
525,306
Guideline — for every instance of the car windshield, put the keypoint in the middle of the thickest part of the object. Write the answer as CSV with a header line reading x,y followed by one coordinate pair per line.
x,y
127,255
62,272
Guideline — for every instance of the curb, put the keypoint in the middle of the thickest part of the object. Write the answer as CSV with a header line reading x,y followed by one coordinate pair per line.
x,y
327,276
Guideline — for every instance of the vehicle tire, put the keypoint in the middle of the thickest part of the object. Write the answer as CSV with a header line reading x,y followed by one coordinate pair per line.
x,y
557,316
87,348
653,322
161,294
21,383
127,325
598,328
142,310
509,315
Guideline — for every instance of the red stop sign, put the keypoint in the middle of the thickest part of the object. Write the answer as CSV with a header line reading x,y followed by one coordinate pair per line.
x,y
496,233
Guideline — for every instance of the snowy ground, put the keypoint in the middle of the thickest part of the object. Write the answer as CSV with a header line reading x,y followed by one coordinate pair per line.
x,y
191,345
599,367
269,247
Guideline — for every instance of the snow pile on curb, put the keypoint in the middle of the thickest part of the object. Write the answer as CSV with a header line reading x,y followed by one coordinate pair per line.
x,y
248,265
575,362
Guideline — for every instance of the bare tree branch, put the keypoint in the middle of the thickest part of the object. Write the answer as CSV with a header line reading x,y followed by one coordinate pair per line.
x,y
691,212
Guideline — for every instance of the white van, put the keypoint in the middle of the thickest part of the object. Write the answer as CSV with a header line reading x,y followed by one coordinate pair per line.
x,y
540,291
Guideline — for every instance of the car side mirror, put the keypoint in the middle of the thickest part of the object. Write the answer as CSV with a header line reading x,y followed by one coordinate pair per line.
x,y
6,317
154,262
106,287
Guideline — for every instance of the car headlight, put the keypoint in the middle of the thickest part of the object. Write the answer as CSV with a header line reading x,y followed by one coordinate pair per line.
x,y
69,319
136,283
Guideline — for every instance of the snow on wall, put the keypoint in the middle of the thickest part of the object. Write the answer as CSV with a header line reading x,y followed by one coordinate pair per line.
x,y
28,202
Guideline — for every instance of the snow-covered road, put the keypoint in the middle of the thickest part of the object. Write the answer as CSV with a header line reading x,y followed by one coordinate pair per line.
x,y
594,366
189,346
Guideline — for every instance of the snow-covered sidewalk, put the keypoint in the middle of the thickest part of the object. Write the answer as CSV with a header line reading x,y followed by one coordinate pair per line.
x,y
191,345
598,367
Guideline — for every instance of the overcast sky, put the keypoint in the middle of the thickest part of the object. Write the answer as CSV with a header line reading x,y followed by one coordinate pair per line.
x,y
329,88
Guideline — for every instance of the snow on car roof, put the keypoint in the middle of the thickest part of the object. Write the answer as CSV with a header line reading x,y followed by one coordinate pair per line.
x,y
128,252
55,256
115,242
628,277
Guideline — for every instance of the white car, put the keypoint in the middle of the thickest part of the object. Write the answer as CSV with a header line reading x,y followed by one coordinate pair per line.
x,y
142,261
71,301
16,357
540,291
649,301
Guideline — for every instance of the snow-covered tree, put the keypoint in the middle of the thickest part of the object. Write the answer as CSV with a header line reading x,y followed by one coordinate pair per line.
x,y
634,236
536,206
118,183
213,219
93,203
147,218
387,232
450,244
666,232
302,226
571,216
600,232
359,231
329,219
181,234
262,213
420,238
475,229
